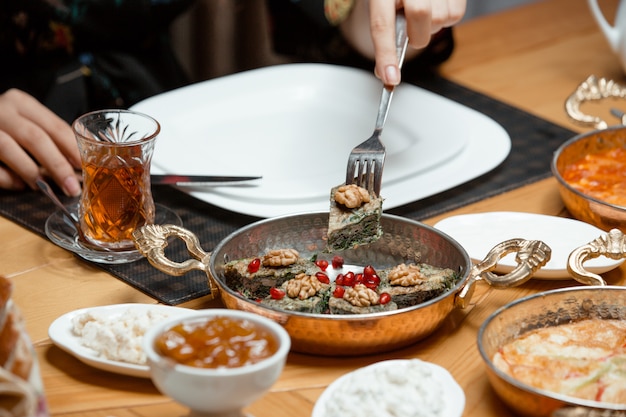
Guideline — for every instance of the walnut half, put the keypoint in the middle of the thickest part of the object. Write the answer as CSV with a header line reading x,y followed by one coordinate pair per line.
x,y
352,196
361,296
280,257
303,286
406,275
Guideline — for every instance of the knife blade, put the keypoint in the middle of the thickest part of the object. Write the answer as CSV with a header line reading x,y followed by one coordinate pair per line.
x,y
202,180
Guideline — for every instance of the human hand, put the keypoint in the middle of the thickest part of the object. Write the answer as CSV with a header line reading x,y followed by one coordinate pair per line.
x,y
34,140
370,28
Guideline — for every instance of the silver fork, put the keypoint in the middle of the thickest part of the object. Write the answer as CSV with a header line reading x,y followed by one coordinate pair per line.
x,y
366,161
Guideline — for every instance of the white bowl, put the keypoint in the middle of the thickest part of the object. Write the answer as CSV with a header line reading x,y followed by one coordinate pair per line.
x,y
406,387
216,391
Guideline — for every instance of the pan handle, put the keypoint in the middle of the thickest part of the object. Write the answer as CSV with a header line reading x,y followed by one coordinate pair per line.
x,y
531,255
611,245
151,241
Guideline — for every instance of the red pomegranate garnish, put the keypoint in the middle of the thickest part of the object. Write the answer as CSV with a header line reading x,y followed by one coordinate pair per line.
x,y
384,298
339,280
254,265
349,279
277,293
337,262
322,264
339,292
322,277
369,270
371,281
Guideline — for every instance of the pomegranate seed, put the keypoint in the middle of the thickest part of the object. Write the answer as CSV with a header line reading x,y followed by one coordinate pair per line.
x,y
277,293
369,270
358,278
339,279
384,298
348,280
339,292
254,265
322,277
337,262
371,282
322,264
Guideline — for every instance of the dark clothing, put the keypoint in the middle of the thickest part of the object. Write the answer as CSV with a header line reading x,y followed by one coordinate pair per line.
x,y
80,55
300,32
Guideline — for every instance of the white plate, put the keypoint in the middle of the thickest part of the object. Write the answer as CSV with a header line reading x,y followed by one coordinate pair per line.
x,y
296,124
452,396
480,232
60,332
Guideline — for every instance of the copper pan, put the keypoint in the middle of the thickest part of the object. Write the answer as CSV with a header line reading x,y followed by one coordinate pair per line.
x,y
541,310
403,240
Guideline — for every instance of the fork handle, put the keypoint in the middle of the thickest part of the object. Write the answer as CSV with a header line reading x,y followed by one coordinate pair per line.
x,y
402,41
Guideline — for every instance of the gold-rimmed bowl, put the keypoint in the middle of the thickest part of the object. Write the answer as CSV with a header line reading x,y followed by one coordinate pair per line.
x,y
584,207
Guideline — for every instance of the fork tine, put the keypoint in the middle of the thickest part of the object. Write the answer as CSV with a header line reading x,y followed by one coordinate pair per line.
x,y
378,174
365,170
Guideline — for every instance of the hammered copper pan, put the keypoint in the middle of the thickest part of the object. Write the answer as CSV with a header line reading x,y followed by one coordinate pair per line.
x,y
541,310
403,240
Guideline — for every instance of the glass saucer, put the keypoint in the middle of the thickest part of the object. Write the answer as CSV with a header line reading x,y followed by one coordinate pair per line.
x,y
63,233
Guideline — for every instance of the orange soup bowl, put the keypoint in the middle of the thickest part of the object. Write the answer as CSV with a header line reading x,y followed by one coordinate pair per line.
x,y
594,200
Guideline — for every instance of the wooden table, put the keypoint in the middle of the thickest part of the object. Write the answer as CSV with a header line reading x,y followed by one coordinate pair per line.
x,y
532,57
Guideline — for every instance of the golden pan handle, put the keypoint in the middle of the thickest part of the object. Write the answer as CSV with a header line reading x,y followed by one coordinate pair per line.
x,y
531,256
593,89
151,241
611,245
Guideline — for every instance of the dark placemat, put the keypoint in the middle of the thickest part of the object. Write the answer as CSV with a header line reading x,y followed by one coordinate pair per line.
x,y
533,142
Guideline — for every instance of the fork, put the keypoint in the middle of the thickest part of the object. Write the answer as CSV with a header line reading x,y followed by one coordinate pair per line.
x,y
366,161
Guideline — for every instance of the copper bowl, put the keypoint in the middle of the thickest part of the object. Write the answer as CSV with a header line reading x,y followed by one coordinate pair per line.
x,y
604,215
541,310
403,240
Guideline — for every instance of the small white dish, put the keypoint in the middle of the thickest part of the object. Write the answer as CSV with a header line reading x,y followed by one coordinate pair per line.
x,y
62,335
222,391
424,384
296,124
63,233
480,232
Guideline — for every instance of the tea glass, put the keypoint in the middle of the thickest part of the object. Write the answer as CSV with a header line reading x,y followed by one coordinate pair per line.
x,y
116,148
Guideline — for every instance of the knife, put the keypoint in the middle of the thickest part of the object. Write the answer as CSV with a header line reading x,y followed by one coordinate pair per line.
x,y
202,180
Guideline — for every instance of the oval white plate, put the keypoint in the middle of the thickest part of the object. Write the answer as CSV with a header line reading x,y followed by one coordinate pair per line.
x,y
60,332
453,398
479,233
295,125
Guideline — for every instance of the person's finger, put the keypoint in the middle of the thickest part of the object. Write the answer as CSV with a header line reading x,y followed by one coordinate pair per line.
x,y
383,29
10,181
55,127
48,149
446,14
15,164
45,151
419,22
456,11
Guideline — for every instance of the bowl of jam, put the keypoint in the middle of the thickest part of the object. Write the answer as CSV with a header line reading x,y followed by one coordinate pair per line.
x,y
216,361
